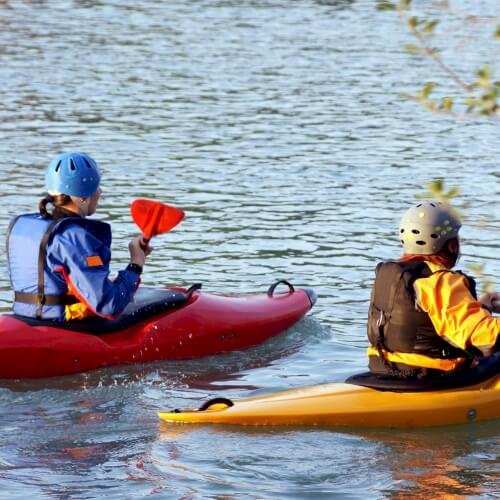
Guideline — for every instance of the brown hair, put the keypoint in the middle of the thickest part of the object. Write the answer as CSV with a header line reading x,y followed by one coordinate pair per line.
x,y
447,256
57,200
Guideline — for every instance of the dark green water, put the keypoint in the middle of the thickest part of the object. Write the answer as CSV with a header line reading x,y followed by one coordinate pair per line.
x,y
277,126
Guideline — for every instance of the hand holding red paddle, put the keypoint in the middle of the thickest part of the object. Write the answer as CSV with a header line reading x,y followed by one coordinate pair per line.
x,y
154,218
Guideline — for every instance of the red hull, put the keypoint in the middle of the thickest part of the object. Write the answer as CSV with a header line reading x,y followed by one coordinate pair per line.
x,y
206,324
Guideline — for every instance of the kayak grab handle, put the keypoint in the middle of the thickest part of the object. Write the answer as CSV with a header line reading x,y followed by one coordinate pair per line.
x,y
212,404
216,401
191,289
270,292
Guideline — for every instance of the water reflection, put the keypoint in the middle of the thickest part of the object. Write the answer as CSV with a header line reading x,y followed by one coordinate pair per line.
x,y
432,463
440,462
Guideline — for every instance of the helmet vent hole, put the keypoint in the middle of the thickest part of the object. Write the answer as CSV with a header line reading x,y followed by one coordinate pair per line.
x,y
72,165
415,231
420,242
401,231
402,242
58,166
87,162
435,236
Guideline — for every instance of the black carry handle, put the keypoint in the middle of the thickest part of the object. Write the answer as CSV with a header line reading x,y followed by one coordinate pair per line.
x,y
191,289
215,401
270,292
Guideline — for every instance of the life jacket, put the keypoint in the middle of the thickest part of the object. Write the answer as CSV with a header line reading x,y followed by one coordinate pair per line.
x,y
395,324
39,291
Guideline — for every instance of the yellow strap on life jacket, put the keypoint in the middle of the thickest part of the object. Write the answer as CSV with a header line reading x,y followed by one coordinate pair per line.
x,y
419,360
76,311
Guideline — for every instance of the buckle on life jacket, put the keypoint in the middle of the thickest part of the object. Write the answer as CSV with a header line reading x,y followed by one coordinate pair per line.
x,y
381,318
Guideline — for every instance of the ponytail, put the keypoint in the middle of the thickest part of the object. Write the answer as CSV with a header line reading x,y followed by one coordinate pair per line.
x,y
57,200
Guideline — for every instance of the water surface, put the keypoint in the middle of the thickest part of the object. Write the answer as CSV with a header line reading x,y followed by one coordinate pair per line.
x,y
279,129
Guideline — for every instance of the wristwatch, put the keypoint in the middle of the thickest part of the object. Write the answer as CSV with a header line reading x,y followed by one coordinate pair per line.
x,y
135,268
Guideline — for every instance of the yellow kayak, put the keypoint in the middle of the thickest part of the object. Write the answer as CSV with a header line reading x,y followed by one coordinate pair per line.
x,y
345,404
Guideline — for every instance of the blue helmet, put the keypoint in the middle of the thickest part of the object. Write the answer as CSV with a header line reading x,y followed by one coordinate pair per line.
x,y
74,174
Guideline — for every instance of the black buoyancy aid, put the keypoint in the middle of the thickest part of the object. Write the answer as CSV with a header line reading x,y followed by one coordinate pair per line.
x,y
395,323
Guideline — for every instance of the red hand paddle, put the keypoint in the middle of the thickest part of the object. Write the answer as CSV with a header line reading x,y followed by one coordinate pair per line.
x,y
154,217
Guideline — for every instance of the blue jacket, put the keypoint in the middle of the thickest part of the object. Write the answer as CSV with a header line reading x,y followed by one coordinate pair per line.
x,y
75,257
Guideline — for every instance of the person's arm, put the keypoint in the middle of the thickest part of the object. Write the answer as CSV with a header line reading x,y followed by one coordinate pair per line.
x,y
83,260
491,301
456,315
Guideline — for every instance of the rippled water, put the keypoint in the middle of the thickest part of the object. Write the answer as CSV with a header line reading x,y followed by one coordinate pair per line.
x,y
277,126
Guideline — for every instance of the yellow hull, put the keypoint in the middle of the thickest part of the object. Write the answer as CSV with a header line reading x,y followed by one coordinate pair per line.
x,y
340,404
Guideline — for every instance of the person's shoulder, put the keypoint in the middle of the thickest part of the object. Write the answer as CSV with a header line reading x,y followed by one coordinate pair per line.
x,y
437,268
81,225
26,216
402,266
77,228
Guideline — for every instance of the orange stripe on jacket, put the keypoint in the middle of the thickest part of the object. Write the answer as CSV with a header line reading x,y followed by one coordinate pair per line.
x,y
77,312
94,261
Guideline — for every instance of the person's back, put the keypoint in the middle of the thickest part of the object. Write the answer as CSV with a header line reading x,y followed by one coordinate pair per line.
x,y
425,319
59,260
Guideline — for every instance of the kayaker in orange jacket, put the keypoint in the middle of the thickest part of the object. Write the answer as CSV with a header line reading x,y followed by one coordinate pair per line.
x,y
425,319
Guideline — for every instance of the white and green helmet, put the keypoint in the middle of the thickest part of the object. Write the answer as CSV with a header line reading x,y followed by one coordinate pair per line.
x,y
425,228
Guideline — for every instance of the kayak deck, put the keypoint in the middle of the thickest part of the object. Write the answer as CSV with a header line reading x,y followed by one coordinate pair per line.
x,y
341,404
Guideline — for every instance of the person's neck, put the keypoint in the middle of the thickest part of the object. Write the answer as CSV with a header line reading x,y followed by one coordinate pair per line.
x,y
74,207
66,211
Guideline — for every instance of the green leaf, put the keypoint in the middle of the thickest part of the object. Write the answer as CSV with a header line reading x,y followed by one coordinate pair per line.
x,y
453,193
413,49
447,103
497,33
476,268
412,22
435,186
429,26
483,77
404,4
471,103
427,90
488,105
383,5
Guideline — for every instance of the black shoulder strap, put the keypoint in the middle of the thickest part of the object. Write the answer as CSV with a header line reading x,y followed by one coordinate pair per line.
x,y
42,255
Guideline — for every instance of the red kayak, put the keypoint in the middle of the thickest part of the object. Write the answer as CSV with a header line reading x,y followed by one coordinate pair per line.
x,y
160,324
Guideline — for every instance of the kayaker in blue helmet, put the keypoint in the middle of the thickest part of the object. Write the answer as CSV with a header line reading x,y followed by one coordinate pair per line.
x,y
59,260
425,320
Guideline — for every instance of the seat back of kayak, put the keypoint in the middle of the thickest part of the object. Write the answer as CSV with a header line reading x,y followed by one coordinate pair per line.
x,y
484,370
